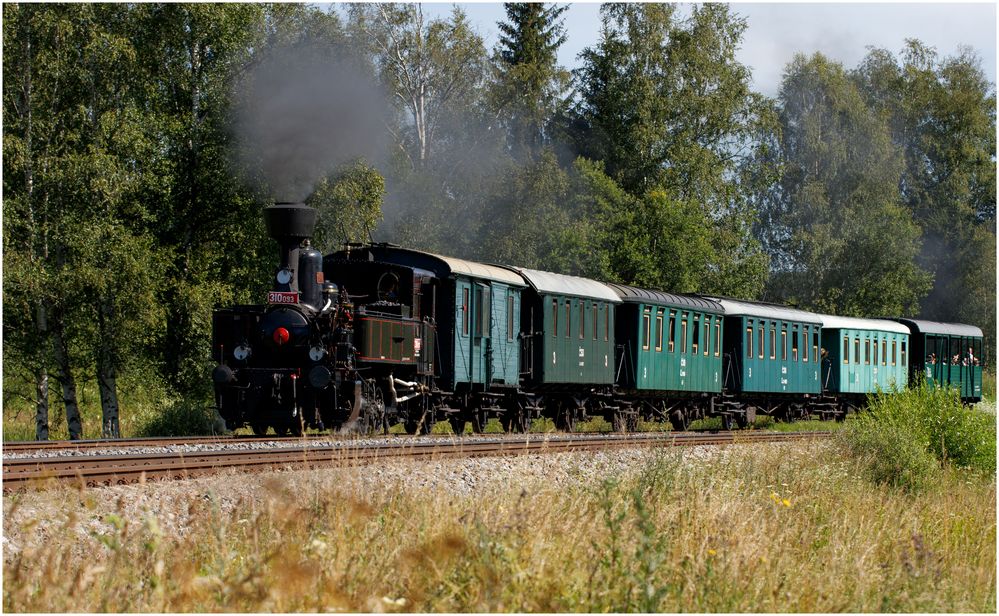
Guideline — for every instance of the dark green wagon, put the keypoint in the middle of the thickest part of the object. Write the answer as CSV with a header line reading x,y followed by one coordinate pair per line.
x,y
670,343
571,325
947,355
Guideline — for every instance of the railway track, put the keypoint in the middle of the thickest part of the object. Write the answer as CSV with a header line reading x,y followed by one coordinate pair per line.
x,y
97,470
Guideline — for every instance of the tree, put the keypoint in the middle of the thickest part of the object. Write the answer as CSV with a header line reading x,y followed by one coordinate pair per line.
x,y
942,117
848,246
667,108
349,203
429,66
529,90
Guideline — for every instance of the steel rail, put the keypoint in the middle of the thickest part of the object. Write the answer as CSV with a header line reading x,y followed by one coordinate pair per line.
x,y
19,447
96,470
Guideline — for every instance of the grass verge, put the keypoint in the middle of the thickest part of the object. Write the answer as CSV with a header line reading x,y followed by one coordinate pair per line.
x,y
781,528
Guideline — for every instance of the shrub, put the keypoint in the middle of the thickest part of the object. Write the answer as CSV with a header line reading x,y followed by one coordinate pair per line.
x,y
904,435
183,418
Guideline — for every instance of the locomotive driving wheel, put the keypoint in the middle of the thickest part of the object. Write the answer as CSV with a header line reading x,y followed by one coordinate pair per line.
x,y
259,428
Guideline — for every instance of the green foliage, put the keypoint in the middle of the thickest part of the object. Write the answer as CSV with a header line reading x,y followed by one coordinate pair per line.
x,y
903,436
839,199
529,90
349,203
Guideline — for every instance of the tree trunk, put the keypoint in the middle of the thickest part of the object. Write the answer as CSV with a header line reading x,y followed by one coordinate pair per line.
x,y
107,375
42,404
107,383
61,355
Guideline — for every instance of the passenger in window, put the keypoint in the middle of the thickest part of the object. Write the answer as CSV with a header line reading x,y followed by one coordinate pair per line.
x,y
932,359
971,360
955,360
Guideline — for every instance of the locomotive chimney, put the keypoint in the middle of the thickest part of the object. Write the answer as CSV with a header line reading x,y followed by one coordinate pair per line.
x,y
291,224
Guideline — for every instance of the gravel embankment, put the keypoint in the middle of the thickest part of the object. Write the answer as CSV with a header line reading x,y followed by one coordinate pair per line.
x,y
32,517
331,442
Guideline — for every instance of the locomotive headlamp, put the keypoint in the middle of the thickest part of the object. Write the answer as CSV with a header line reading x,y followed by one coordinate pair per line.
x,y
281,336
316,353
284,276
242,352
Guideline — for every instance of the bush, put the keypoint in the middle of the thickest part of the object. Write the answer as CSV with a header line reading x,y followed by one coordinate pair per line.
x,y
904,436
183,418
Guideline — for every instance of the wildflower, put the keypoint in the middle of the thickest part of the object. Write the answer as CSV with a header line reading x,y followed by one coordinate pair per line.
x,y
786,502
711,552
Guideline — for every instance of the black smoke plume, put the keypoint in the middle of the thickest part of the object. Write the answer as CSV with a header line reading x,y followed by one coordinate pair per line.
x,y
303,113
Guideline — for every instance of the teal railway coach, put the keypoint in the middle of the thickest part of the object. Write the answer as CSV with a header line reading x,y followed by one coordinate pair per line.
x,y
672,344
947,355
863,356
773,356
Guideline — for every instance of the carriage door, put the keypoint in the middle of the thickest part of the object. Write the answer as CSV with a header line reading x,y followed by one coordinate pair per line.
x,y
482,350
463,325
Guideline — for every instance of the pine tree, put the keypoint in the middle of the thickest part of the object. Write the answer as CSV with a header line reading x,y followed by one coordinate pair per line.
x,y
530,88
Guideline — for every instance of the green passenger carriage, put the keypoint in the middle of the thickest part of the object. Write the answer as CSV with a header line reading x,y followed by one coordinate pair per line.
x,y
947,355
671,343
863,356
772,359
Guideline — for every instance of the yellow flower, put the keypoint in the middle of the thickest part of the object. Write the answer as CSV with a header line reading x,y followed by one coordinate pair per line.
x,y
786,502
711,552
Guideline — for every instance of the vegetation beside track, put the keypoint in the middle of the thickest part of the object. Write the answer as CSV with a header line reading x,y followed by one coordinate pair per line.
x,y
777,528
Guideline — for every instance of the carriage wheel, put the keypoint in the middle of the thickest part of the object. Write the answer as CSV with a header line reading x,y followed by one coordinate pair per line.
x,y
678,419
726,421
457,425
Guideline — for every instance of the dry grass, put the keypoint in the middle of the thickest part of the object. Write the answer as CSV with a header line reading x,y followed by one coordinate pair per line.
x,y
753,528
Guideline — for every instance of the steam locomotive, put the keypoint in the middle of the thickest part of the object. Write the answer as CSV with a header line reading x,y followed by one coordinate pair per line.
x,y
375,335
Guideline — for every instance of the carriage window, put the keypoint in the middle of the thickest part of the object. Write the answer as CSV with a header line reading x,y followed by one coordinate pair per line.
x,y
749,342
672,331
607,311
856,350
568,319
867,352
955,351
554,318
483,312
683,334
696,338
875,352
707,335
646,324
509,316
659,331
884,352
846,349
794,346
582,320
804,344
773,342
815,346
903,358
894,351
595,321
464,311
717,338
783,344
760,339
978,352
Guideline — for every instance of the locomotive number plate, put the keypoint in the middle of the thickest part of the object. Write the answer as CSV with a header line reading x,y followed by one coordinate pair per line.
x,y
282,297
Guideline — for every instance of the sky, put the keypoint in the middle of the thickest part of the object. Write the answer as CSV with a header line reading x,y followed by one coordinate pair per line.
x,y
776,31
